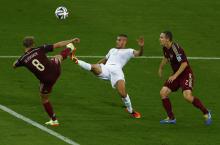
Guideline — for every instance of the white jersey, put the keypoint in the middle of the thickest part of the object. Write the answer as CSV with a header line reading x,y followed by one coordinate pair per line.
x,y
119,57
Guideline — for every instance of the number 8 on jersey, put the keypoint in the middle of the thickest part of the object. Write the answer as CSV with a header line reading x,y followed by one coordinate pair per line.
x,y
38,65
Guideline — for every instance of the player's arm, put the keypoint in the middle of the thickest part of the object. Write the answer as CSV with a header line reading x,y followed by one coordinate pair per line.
x,y
141,50
16,64
103,61
64,43
179,71
161,66
181,57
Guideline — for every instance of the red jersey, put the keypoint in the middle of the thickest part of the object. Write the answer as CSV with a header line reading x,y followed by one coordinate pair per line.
x,y
176,56
37,62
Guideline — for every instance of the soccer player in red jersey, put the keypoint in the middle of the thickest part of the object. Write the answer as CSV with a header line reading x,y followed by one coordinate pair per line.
x,y
46,70
182,77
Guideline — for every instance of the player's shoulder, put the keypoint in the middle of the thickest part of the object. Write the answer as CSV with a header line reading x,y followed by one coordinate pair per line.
x,y
44,46
112,49
129,49
126,49
164,48
26,54
31,50
176,45
177,48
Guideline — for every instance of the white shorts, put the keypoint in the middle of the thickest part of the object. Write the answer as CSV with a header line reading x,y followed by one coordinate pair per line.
x,y
112,73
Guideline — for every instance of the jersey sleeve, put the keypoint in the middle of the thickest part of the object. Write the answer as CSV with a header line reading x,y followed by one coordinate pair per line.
x,y
46,48
108,54
18,63
179,53
131,52
181,57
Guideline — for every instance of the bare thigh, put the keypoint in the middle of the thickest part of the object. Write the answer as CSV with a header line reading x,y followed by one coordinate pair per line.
x,y
96,69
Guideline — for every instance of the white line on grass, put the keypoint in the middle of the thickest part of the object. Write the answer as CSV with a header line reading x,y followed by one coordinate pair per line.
x,y
29,121
142,57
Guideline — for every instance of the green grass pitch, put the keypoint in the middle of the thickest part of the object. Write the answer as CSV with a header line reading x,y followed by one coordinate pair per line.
x,y
89,110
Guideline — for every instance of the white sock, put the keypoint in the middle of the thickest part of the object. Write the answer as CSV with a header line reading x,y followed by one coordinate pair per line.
x,y
84,65
127,103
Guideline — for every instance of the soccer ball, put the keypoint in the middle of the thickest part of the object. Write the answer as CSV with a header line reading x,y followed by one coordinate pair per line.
x,y
61,12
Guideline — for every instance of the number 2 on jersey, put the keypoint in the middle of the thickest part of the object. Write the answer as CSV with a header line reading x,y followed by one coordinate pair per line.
x,y
38,65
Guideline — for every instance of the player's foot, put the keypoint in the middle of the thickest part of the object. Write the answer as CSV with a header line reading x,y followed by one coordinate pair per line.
x,y
74,58
72,54
52,123
208,118
168,121
135,114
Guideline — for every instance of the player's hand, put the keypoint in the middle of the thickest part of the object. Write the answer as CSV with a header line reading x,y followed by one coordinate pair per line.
x,y
160,71
172,78
141,41
14,64
76,40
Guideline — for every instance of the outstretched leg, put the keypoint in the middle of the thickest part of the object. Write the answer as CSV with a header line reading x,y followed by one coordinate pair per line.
x,y
120,85
65,52
94,68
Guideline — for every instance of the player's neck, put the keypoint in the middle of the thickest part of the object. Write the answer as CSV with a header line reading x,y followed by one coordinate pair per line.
x,y
27,49
123,47
169,45
120,47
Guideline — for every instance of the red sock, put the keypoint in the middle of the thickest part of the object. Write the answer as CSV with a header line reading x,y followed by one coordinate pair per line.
x,y
198,104
49,109
168,107
65,52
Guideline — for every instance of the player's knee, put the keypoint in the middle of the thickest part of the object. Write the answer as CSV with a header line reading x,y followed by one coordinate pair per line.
x,y
59,58
44,98
95,68
188,97
163,94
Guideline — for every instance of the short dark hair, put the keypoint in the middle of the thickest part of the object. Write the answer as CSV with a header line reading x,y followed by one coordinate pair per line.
x,y
28,41
169,35
123,35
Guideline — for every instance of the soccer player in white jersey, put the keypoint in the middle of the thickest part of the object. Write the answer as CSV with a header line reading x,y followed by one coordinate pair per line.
x,y
110,68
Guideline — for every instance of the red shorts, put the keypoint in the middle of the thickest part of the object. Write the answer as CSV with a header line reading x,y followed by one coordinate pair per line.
x,y
185,81
46,87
